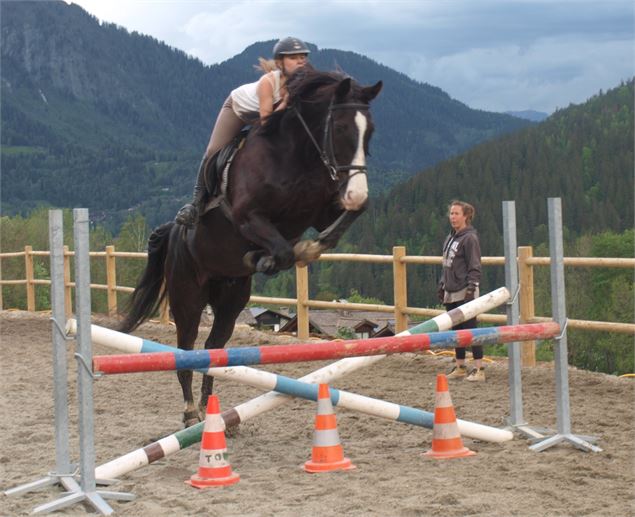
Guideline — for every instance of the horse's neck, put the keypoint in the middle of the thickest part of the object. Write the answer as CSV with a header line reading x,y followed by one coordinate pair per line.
x,y
307,142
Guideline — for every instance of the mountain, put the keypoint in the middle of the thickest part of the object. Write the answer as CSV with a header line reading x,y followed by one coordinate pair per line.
x,y
534,116
96,116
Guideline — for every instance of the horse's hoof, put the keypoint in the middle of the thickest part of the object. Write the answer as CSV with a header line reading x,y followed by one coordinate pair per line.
x,y
307,251
202,412
250,259
266,265
190,418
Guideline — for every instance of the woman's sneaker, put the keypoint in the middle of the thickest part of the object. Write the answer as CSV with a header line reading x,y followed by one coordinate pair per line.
x,y
458,372
476,375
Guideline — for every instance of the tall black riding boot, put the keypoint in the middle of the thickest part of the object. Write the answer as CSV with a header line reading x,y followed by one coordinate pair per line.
x,y
188,214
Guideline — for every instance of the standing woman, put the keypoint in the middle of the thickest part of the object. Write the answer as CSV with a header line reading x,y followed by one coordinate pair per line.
x,y
246,105
460,281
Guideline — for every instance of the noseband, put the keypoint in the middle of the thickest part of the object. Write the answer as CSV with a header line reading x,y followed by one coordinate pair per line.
x,y
328,158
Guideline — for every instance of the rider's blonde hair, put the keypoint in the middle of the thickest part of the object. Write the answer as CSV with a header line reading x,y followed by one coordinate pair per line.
x,y
266,65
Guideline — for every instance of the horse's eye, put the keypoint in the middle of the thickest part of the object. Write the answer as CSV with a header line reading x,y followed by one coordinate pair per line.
x,y
339,127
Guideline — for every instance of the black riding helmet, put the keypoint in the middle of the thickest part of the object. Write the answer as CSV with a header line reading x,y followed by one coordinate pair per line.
x,y
289,46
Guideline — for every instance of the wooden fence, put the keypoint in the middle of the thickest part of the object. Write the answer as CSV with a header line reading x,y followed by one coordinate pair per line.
x,y
398,260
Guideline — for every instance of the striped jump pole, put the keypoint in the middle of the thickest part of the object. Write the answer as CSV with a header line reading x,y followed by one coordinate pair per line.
x,y
308,391
173,443
243,356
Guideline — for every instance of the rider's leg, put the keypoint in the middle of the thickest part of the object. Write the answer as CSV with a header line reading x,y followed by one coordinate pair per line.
x,y
188,214
227,126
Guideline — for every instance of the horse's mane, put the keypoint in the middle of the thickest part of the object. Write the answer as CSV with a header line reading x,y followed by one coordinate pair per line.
x,y
305,85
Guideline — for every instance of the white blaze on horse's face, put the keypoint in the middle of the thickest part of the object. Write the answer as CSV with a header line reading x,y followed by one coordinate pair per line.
x,y
357,188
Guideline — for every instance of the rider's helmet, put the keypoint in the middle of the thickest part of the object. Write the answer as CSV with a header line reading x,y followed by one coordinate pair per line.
x,y
289,46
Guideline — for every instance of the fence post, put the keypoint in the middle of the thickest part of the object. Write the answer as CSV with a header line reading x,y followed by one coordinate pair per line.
x,y
302,294
526,274
111,280
400,288
1,307
30,286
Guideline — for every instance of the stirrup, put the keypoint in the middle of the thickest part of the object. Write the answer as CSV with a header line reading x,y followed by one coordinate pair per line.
x,y
187,215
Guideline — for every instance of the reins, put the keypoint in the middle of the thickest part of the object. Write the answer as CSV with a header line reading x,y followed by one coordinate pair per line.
x,y
328,159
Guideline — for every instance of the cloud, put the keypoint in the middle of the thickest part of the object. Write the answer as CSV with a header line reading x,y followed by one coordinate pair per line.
x,y
491,54
551,73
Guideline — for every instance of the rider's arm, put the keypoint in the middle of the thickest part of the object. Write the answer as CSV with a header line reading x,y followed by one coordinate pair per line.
x,y
265,96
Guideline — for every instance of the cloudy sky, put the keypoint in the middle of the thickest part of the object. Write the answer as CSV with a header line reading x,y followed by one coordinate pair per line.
x,y
495,55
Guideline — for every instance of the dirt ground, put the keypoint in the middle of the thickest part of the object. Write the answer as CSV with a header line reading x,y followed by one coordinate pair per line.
x,y
392,477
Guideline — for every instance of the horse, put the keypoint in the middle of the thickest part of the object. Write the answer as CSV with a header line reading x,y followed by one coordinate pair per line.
x,y
303,167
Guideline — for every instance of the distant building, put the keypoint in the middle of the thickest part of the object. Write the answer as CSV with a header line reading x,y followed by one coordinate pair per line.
x,y
257,317
268,319
330,323
387,330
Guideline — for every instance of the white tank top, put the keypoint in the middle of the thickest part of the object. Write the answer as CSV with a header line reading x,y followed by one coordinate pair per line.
x,y
245,98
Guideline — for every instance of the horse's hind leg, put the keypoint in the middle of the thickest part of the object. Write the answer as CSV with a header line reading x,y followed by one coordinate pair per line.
x,y
227,297
190,413
187,310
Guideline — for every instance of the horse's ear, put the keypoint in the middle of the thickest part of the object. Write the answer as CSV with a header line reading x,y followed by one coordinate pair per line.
x,y
370,92
343,88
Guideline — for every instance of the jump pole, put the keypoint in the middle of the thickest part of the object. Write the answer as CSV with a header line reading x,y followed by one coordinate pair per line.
x,y
367,405
276,354
192,435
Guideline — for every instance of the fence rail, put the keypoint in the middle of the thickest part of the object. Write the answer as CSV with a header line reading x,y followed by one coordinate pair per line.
x,y
399,261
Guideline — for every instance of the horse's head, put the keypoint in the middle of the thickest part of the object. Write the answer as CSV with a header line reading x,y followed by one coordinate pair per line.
x,y
347,136
334,111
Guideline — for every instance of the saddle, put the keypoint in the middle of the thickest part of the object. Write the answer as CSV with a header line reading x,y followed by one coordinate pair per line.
x,y
217,168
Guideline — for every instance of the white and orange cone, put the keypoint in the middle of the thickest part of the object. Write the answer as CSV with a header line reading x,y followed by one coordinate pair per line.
x,y
446,438
214,468
327,453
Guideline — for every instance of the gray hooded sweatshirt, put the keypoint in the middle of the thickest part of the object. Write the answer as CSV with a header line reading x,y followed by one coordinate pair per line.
x,y
461,260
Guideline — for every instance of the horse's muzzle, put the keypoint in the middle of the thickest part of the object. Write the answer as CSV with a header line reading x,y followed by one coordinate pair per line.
x,y
356,192
354,199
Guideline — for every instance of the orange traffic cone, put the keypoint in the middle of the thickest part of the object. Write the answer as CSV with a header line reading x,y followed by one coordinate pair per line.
x,y
327,453
214,468
446,439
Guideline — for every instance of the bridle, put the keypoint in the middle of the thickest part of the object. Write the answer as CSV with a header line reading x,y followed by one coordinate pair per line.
x,y
327,151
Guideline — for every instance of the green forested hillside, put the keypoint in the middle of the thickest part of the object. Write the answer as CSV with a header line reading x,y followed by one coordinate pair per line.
x,y
583,154
95,116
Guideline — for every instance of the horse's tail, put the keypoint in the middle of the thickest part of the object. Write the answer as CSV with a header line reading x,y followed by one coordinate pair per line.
x,y
149,292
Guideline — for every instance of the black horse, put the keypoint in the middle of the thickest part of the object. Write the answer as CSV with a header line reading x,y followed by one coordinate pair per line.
x,y
305,167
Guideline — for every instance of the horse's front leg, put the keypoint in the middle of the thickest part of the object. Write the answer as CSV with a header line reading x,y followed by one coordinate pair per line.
x,y
308,251
263,233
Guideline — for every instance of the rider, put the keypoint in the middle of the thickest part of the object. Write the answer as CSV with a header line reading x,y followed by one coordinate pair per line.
x,y
246,105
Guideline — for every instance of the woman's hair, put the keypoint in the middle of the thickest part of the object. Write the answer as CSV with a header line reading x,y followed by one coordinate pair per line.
x,y
468,210
266,65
